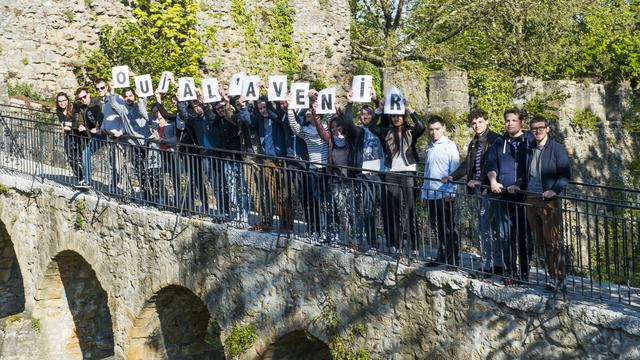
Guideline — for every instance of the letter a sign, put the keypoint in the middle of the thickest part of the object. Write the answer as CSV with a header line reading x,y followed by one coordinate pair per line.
x,y
186,89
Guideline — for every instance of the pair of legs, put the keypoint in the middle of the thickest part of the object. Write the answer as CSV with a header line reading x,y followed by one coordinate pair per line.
x,y
443,221
513,230
544,220
399,209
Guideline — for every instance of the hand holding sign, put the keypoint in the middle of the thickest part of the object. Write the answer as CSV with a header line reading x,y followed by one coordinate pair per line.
x,y
120,76
277,90
250,88
235,86
144,88
165,79
394,102
186,89
327,101
299,92
361,88
210,90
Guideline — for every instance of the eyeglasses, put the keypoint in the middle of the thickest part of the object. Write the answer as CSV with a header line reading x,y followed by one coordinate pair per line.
x,y
100,88
539,128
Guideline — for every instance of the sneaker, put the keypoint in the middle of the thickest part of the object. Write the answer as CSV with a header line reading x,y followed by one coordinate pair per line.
x,y
82,185
371,252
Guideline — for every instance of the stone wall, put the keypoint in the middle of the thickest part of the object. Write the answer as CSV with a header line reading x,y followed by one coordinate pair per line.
x,y
279,287
40,41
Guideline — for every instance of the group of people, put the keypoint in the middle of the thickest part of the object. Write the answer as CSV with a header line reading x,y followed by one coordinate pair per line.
x,y
265,156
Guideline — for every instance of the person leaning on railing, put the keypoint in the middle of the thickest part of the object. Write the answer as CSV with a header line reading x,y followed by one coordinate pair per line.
x,y
68,114
89,120
506,169
549,171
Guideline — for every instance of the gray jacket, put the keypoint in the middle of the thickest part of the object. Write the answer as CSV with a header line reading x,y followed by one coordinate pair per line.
x,y
136,121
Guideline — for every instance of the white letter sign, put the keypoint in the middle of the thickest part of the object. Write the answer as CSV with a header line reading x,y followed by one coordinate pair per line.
x,y
186,89
299,95
163,85
250,88
327,101
361,88
394,102
210,90
235,86
120,76
144,88
277,89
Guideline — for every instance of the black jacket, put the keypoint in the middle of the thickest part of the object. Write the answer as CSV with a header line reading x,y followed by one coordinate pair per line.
x,y
467,167
555,167
410,155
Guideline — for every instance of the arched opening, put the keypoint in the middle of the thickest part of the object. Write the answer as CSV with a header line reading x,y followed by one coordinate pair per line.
x,y
71,307
11,284
175,324
297,345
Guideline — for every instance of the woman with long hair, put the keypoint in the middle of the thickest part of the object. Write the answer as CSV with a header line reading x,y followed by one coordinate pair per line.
x,y
399,204
74,134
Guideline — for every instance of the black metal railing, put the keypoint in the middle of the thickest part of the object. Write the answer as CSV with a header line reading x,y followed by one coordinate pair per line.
x,y
589,237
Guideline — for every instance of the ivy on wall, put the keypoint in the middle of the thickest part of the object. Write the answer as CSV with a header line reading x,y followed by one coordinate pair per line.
x,y
274,25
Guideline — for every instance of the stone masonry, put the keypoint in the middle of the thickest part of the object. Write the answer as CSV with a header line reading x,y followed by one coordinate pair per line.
x,y
128,264
42,40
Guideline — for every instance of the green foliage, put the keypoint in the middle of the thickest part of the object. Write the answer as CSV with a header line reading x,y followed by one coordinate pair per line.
x,y
586,120
163,37
631,114
545,103
22,89
36,325
212,337
366,68
342,346
4,189
276,49
493,91
88,4
80,217
25,61
634,171
240,339
69,14
11,74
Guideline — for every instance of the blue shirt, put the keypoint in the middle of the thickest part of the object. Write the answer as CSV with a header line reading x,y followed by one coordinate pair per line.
x,y
441,160
267,141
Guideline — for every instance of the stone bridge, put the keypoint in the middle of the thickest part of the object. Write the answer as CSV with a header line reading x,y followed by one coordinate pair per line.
x,y
83,277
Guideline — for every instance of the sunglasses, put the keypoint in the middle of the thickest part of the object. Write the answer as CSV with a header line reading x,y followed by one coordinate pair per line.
x,y
538,129
100,88
83,96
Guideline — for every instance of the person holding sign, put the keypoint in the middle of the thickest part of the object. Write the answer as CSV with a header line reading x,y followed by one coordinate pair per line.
x,y
199,120
136,123
367,153
165,132
318,155
401,155
339,142
268,138
111,128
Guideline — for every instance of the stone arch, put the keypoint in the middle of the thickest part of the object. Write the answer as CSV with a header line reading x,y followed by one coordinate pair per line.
x,y
11,283
72,308
297,345
175,324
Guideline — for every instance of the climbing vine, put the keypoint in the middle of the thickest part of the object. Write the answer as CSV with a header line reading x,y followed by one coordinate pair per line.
x,y
278,50
164,36
342,347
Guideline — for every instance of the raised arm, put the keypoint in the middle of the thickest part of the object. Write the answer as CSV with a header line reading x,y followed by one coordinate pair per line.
x,y
293,124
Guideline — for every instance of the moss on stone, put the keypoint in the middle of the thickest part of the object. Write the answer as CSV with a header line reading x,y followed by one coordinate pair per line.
x,y
240,339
